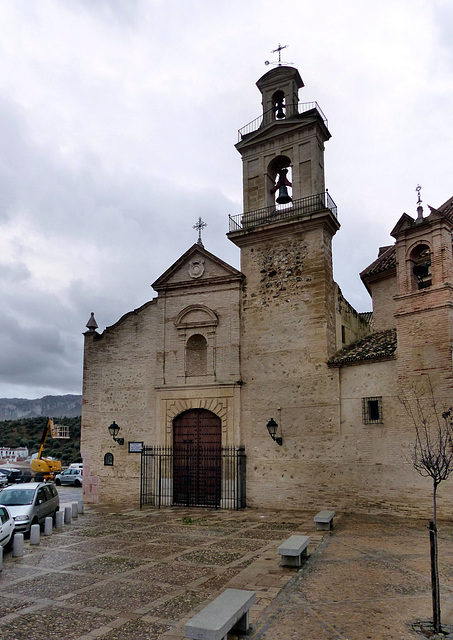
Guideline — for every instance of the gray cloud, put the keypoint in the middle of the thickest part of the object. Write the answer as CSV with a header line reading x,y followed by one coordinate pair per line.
x,y
118,124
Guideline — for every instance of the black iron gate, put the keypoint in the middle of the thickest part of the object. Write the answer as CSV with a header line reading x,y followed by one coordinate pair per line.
x,y
161,466
197,475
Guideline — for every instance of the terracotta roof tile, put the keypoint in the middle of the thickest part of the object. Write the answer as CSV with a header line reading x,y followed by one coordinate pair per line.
x,y
376,346
386,260
447,209
367,316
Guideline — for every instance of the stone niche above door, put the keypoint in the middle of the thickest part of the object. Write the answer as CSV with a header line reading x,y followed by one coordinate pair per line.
x,y
196,326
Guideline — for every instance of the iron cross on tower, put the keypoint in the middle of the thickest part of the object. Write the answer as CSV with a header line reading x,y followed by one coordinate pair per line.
x,y
279,49
199,226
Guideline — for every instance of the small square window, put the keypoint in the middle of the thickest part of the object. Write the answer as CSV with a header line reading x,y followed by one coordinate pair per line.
x,y
372,410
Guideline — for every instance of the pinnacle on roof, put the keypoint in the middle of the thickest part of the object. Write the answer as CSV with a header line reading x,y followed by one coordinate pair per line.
x,y
92,325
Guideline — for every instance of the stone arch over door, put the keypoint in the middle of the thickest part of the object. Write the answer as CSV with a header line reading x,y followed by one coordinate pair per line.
x,y
197,461
175,407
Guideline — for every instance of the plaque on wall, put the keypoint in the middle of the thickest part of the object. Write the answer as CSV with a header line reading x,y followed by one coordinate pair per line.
x,y
196,268
135,447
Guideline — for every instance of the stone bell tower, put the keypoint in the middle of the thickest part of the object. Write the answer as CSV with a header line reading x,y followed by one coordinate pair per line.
x,y
288,306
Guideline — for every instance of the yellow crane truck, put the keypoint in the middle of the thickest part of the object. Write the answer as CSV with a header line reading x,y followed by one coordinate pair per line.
x,y
46,468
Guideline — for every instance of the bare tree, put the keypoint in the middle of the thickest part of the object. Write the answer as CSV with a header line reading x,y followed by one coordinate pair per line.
x,y
432,457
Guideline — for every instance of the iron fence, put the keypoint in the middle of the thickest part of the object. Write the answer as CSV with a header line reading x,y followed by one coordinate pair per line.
x,y
189,476
300,107
295,209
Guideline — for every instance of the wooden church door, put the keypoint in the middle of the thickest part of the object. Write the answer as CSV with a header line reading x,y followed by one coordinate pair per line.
x,y
197,470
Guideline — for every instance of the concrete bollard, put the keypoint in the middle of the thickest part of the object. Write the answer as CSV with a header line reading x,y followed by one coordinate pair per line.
x,y
75,510
18,545
67,515
35,534
59,520
80,506
48,526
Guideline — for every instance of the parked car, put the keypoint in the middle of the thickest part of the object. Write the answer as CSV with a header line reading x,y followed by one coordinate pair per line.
x,y
7,527
30,503
70,476
3,479
14,474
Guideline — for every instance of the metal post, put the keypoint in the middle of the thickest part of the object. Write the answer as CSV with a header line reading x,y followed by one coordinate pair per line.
x,y
142,475
35,534
59,520
434,577
48,526
18,545
68,514
159,478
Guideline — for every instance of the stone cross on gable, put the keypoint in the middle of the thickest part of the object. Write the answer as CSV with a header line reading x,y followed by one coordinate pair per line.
x,y
199,226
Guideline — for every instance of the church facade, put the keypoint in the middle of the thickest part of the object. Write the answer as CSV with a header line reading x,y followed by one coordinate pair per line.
x,y
264,387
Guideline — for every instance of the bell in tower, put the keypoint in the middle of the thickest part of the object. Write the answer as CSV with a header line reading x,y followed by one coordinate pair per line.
x,y
280,91
279,105
282,186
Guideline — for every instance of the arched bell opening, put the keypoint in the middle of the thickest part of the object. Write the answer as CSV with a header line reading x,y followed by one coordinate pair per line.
x,y
279,105
420,262
279,174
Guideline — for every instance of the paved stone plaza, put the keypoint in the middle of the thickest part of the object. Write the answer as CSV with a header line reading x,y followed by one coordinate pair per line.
x,y
141,575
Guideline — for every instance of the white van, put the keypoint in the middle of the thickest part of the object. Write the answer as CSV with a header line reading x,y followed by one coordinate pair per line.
x,y
30,503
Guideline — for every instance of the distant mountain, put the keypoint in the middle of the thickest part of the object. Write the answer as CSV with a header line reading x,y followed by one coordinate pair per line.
x,y
48,406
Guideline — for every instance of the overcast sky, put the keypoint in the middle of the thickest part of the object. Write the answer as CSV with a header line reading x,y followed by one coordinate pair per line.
x,y
118,121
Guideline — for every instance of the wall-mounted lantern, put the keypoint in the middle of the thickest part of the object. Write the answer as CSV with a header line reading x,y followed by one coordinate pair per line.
x,y
272,427
113,430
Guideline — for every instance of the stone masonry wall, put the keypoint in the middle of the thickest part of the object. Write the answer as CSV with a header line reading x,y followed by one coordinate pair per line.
x,y
288,330
348,322
117,371
384,291
135,374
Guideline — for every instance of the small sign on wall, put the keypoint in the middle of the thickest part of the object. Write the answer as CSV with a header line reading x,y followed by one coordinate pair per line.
x,y
135,447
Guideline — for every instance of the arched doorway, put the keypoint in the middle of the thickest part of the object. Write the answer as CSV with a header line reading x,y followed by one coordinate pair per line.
x,y
197,446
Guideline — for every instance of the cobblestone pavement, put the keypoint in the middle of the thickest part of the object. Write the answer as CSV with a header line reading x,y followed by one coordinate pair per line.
x,y
131,575
368,579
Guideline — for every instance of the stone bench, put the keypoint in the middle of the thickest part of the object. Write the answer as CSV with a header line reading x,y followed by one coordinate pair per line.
x,y
293,550
324,520
228,612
